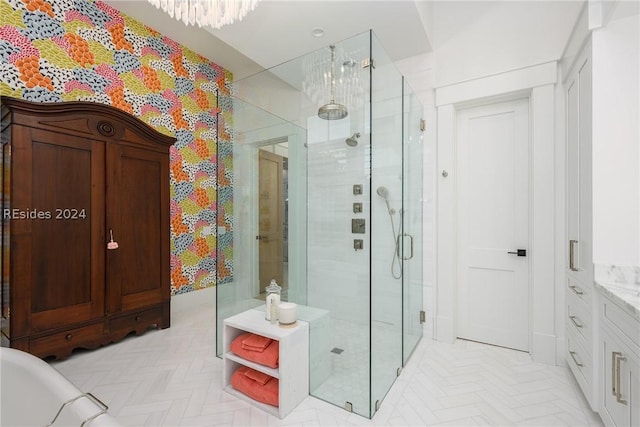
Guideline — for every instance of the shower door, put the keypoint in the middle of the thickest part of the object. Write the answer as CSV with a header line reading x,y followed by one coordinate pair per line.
x,y
396,258
387,274
412,280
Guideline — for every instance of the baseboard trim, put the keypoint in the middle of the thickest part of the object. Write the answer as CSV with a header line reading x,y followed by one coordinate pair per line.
x,y
189,300
561,351
443,328
543,348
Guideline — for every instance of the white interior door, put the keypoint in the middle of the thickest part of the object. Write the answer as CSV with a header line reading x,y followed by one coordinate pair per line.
x,y
492,217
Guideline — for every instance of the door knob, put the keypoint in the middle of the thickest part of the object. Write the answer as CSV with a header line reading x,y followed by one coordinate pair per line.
x,y
519,252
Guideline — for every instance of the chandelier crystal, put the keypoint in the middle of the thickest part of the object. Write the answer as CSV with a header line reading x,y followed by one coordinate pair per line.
x,y
206,13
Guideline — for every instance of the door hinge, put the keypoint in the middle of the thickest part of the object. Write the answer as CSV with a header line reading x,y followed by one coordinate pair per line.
x,y
368,62
423,125
423,316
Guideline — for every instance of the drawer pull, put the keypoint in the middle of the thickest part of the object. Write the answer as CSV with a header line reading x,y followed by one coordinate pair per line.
x,y
69,337
576,289
616,358
573,356
613,374
575,322
138,318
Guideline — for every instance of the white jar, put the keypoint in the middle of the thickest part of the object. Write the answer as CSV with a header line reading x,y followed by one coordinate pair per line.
x,y
287,313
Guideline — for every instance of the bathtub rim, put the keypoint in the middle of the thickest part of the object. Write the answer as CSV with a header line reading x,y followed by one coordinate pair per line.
x,y
56,383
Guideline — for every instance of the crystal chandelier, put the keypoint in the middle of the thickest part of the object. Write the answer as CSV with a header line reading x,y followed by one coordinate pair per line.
x,y
206,13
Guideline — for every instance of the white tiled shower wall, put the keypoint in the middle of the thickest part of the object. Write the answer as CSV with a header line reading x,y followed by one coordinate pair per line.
x,y
338,274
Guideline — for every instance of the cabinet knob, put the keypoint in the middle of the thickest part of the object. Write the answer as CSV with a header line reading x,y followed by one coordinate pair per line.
x,y
137,318
68,337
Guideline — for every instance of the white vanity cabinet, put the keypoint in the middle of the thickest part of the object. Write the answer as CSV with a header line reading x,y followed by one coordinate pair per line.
x,y
619,345
293,367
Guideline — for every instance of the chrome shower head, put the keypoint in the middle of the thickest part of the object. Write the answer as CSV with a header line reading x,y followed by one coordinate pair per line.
x,y
353,141
332,111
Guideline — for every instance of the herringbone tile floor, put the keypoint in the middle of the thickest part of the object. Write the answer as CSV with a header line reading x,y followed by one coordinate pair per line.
x,y
173,378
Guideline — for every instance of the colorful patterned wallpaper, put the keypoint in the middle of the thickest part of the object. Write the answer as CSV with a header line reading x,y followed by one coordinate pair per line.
x,y
85,50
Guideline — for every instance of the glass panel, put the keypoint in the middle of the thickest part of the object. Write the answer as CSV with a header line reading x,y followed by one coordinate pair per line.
x,y
412,218
339,173
386,204
258,135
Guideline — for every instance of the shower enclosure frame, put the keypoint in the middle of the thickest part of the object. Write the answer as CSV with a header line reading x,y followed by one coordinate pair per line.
x,y
364,323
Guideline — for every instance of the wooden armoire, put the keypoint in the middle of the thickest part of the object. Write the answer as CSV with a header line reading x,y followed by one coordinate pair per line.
x,y
85,226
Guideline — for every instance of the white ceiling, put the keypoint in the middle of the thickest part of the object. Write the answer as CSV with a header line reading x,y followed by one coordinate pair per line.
x,y
278,31
501,33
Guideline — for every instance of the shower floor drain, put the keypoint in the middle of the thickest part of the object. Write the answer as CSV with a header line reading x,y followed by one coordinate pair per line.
x,y
337,350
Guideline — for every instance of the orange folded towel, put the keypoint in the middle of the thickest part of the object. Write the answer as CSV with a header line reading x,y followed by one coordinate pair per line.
x,y
268,357
256,342
265,393
257,376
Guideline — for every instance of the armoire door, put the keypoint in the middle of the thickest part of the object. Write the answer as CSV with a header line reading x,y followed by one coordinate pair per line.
x,y
57,218
138,219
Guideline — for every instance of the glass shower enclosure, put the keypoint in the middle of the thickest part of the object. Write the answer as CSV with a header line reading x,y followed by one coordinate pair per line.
x,y
327,200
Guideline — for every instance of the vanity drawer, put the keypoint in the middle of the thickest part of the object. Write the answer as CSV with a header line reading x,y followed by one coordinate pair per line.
x,y
621,321
579,360
579,291
579,320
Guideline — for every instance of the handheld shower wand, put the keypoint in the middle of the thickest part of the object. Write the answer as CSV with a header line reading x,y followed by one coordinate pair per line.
x,y
384,193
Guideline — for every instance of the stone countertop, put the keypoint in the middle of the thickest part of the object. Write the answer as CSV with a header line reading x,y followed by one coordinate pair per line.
x,y
625,295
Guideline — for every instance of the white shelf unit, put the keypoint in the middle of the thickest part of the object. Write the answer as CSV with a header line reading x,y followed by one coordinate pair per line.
x,y
293,367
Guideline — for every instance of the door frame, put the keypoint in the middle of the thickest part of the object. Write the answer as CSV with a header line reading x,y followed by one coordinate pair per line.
x,y
487,102
273,157
538,83
253,228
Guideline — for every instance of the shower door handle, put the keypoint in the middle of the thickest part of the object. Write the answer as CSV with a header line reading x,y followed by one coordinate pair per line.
x,y
411,241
